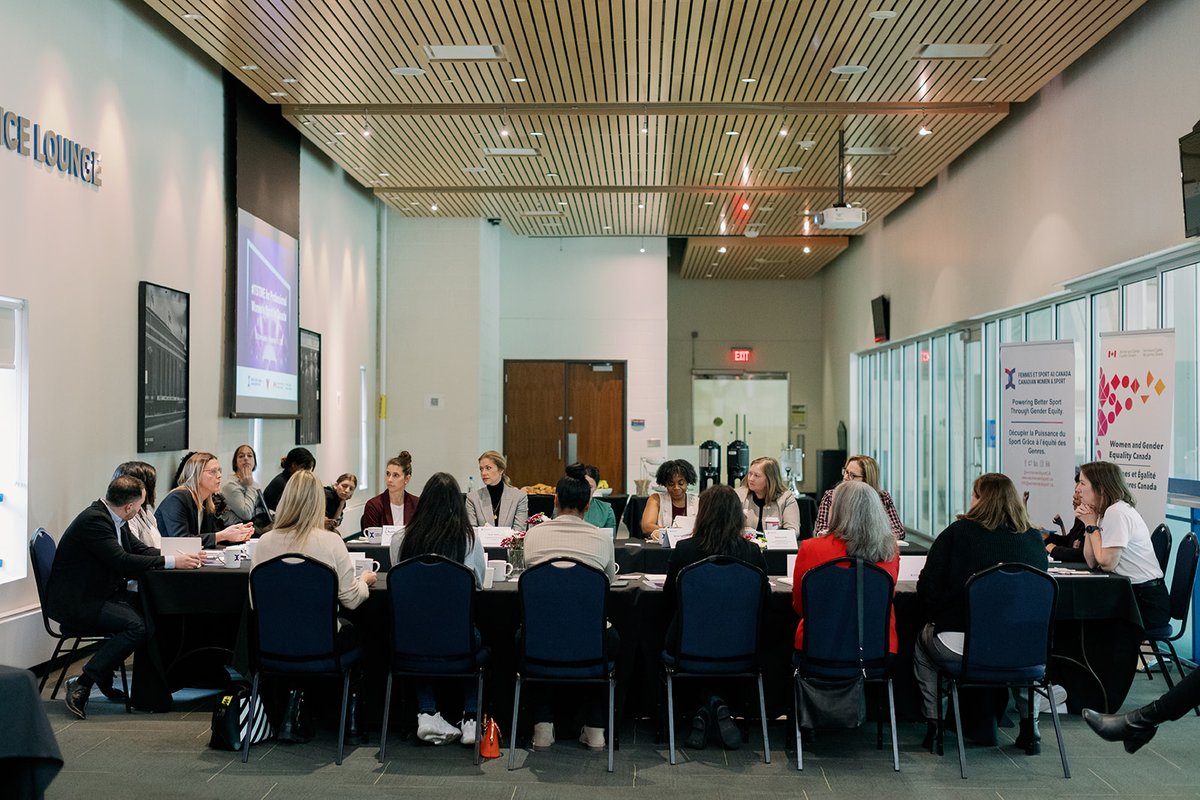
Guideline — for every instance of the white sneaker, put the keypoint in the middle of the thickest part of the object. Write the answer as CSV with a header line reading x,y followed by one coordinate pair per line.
x,y
592,738
468,728
433,728
543,735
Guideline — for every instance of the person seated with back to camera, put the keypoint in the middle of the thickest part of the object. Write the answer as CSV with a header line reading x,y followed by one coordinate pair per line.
x,y
663,507
599,512
394,505
865,469
765,496
297,459
440,526
188,509
718,532
569,536
336,497
300,528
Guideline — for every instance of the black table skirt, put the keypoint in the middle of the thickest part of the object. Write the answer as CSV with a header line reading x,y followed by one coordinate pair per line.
x,y
1097,632
29,754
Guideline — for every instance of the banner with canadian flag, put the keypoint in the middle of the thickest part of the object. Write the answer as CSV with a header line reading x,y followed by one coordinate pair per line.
x,y
1135,401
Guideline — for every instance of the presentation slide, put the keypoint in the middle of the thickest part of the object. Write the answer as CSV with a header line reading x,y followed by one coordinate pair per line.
x,y
268,321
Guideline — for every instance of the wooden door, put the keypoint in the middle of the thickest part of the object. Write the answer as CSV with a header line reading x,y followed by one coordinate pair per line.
x,y
534,431
596,418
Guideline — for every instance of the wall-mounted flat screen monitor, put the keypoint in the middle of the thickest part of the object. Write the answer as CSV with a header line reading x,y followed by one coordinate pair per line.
x,y
1189,162
266,321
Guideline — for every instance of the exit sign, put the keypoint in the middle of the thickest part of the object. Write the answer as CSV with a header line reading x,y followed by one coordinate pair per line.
x,y
741,355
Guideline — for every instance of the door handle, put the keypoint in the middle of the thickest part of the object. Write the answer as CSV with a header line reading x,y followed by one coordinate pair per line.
x,y
560,449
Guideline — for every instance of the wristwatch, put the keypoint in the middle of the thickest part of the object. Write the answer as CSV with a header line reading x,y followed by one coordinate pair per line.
x,y
1090,529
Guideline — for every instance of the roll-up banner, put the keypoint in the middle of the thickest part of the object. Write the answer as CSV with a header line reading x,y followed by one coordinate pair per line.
x,y
1135,401
1037,425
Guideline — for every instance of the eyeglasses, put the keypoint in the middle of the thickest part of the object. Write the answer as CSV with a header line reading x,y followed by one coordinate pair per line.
x,y
212,471
847,475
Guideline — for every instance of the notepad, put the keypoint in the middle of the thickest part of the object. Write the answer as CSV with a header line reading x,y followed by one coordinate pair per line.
x,y
180,545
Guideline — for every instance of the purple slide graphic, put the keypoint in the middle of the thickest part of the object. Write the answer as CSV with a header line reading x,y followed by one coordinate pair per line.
x,y
268,312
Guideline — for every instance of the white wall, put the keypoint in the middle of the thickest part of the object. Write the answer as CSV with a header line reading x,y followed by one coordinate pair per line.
x,y
109,74
1084,177
593,299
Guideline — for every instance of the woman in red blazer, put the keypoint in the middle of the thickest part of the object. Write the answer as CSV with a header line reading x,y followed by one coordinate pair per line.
x,y
379,509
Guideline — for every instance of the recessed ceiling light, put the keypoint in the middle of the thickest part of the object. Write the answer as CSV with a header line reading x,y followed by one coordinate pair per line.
x,y
448,80
516,80
290,80
562,202
536,133
641,249
340,133
541,212
882,14
708,202
749,80
385,174
979,79
551,174
924,131
529,152
608,227
641,205
407,72
731,133
718,174
433,207
713,264
722,249
783,131
807,144
848,69
330,142
745,206
366,131
709,275
781,274
885,174
249,67
413,203
504,131
807,249
191,17
278,94
788,170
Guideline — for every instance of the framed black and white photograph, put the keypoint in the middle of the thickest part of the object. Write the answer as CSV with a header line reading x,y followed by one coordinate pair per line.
x,y
308,426
162,368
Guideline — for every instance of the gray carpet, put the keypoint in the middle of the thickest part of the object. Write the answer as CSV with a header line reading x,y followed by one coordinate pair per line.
x,y
114,755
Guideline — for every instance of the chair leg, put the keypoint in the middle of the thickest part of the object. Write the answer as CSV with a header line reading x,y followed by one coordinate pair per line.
x,y
50,668
892,719
1145,665
1179,665
1162,663
796,720
762,714
1062,749
939,745
670,718
387,710
479,716
342,718
66,665
962,748
512,742
125,688
612,728
246,733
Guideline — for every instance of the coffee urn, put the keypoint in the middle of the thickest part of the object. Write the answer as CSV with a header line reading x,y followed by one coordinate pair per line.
x,y
737,460
710,464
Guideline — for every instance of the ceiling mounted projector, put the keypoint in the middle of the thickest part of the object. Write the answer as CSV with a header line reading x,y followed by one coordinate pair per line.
x,y
841,218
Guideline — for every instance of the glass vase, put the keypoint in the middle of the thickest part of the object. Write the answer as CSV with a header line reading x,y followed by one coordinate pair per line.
x,y
516,558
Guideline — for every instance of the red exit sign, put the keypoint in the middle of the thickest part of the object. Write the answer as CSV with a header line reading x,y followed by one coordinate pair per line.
x,y
741,355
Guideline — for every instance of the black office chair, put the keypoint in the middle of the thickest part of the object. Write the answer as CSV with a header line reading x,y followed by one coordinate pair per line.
x,y
41,555
441,641
832,650
1182,581
1007,643
1160,539
294,628
564,606
720,608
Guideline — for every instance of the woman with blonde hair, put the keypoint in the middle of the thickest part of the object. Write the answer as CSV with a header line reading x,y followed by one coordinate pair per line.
x,y
188,509
497,503
300,528
764,496
865,469
995,530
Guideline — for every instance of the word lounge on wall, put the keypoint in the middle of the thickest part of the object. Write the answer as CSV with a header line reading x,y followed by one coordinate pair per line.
x,y
25,137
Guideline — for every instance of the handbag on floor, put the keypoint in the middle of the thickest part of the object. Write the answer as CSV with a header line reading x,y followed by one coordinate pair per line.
x,y
233,716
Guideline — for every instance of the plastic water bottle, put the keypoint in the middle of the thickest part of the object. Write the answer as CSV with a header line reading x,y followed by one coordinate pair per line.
x,y
470,484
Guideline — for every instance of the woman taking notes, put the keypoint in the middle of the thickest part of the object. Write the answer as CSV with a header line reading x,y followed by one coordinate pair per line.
x,y
764,497
663,507
497,504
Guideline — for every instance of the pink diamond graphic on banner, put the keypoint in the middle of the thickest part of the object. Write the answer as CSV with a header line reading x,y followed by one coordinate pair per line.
x,y
1134,385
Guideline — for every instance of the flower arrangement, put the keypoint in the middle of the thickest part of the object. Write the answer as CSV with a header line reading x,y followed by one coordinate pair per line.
x,y
755,537
514,544
537,519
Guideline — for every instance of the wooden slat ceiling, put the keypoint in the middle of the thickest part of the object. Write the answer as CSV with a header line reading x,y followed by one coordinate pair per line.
x,y
631,104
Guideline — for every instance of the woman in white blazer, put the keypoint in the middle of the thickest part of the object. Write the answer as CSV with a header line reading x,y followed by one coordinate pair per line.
x,y
765,496
497,503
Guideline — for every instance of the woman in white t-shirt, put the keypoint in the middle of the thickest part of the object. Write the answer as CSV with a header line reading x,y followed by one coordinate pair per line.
x,y
1117,540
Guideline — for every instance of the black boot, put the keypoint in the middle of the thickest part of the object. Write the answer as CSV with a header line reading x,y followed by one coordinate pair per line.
x,y
292,730
1028,737
356,720
1134,729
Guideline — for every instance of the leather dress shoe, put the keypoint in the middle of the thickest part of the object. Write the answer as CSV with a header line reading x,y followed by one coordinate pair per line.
x,y
697,738
1029,739
1133,729
731,735
76,698
114,694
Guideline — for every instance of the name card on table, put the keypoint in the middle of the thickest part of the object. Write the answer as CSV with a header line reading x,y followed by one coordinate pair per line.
x,y
389,531
492,537
910,568
673,536
782,540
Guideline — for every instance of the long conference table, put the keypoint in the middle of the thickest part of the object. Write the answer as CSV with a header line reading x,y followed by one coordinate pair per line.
x,y
1097,633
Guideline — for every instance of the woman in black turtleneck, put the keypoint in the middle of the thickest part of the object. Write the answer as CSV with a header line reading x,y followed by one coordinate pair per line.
x,y
497,504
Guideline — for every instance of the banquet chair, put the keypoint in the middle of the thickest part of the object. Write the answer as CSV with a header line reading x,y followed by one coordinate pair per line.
x,y
564,605
1160,539
1007,643
832,594
1182,581
441,641
719,614
41,555
294,628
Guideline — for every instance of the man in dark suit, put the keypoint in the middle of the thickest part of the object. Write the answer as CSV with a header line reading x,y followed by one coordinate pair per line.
x,y
96,558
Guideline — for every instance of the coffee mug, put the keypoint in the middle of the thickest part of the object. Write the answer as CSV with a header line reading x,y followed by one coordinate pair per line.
x,y
770,523
502,570
230,557
365,564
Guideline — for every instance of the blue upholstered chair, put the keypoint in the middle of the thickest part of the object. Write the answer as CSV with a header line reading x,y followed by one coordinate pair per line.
x,y
721,601
1182,581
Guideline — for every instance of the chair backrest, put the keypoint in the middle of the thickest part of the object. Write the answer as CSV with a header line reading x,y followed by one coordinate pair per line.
x,y
830,596
1160,539
1010,616
721,601
443,631
1184,577
41,556
294,599
564,605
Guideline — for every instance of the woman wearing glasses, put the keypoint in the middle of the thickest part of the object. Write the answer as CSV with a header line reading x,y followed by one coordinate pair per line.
x,y
865,469
188,510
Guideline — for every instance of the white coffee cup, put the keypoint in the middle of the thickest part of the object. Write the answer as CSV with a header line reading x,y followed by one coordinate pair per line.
x,y
489,576
770,523
363,564
501,570
250,546
230,556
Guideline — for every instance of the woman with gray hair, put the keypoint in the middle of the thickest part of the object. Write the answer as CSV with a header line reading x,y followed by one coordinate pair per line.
x,y
858,528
